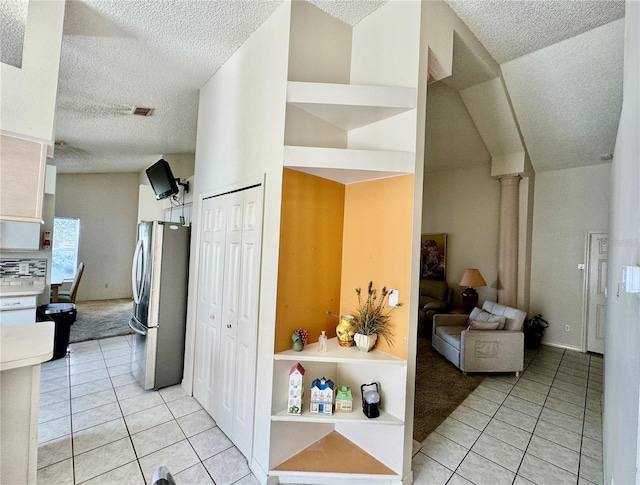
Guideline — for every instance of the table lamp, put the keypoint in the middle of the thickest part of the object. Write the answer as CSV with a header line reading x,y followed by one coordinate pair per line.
x,y
471,277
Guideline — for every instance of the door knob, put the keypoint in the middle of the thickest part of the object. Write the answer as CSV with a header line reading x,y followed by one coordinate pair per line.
x,y
228,325
212,317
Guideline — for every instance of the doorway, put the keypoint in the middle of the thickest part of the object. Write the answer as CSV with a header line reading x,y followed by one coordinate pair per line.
x,y
595,290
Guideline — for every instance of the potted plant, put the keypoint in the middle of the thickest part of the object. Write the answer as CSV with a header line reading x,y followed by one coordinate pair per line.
x,y
372,318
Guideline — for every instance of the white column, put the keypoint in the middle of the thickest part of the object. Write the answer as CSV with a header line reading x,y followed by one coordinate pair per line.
x,y
508,241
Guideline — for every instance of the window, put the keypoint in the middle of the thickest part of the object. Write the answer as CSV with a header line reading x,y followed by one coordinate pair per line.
x,y
64,252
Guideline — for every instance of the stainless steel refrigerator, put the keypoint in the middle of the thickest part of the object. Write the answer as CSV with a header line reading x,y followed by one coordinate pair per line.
x,y
159,278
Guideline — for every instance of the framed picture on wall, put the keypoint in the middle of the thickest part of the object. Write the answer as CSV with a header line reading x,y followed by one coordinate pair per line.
x,y
433,257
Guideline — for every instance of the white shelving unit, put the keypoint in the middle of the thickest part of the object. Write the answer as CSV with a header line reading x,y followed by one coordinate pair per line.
x,y
340,109
348,133
380,439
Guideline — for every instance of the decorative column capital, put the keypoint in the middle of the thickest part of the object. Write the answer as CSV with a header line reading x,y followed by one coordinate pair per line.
x,y
511,179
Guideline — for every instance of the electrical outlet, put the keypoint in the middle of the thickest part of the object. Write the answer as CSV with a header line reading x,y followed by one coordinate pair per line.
x,y
566,328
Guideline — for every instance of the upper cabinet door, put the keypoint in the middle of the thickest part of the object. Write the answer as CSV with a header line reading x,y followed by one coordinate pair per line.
x,y
22,174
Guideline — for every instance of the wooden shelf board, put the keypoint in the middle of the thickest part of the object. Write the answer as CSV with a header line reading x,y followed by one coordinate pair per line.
x,y
338,354
334,454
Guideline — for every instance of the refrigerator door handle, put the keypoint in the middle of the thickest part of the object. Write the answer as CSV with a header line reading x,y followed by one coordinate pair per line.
x,y
134,274
133,325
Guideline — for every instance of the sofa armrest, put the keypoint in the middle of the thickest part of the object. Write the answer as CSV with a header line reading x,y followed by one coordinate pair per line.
x,y
491,351
444,319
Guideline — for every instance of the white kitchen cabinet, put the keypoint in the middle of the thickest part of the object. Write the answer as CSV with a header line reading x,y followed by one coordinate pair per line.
x,y
19,236
22,174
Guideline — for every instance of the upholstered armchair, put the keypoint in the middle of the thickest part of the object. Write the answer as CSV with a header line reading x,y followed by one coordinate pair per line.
x,y
487,340
435,297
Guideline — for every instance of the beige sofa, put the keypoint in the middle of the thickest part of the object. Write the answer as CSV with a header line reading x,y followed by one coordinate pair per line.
x,y
487,340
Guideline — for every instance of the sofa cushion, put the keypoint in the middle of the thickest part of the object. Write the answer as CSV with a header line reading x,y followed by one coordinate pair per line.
x,y
479,325
433,304
435,289
483,316
515,318
451,335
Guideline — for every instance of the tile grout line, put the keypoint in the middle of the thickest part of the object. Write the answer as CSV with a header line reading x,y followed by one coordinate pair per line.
x,y
481,434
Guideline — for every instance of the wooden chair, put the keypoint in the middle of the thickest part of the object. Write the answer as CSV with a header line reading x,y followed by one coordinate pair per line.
x,y
67,296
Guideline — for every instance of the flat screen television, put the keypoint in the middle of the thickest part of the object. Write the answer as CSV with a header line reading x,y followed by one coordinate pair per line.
x,y
162,180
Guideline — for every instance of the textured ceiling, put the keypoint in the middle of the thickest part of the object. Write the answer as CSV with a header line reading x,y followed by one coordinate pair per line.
x,y
568,97
13,19
566,89
120,54
512,28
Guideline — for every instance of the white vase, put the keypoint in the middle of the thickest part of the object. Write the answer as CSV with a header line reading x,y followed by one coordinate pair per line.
x,y
365,342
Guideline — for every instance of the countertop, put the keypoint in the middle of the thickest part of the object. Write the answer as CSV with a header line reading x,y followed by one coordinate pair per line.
x,y
7,291
23,345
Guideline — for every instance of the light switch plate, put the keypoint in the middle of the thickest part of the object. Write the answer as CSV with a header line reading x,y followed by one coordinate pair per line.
x,y
631,279
393,297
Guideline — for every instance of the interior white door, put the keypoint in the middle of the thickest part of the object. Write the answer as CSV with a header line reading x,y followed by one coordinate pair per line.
x,y
232,267
598,252
227,321
209,312
247,320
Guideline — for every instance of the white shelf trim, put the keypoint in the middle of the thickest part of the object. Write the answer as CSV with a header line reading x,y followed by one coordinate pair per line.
x,y
348,165
338,354
357,416
350,106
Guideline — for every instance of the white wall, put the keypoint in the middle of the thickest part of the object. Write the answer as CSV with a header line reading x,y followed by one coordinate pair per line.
x,y
240,138
107,206
464,203
622,334
567,204
29,93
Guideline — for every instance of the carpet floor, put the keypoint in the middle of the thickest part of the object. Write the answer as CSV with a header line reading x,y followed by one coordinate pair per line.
x,y
440,388
100,319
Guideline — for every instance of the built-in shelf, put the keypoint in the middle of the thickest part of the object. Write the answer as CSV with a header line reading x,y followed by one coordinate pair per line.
x,y
350,106
348,165
357,416
338,354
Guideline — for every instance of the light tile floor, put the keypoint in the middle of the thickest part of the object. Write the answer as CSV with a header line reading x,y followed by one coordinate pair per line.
x,y
97,426
543,428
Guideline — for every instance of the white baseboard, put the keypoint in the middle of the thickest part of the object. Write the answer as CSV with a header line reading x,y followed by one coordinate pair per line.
x,y
563,346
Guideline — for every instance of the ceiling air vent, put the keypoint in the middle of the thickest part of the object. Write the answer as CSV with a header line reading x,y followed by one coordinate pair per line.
x,y
137,110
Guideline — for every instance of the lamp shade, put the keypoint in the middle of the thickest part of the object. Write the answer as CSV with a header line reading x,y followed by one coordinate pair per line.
x,y
472,277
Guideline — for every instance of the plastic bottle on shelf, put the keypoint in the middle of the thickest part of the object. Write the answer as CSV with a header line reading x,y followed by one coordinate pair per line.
x,y
322,342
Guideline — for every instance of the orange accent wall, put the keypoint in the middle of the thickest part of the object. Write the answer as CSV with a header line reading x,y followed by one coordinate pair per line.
x,y
310,256
378,218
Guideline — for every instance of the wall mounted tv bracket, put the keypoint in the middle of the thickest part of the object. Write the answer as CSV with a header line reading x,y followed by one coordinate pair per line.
x,y
184,184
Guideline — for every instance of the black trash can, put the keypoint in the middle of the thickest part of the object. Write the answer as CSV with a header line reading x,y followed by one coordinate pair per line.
x,y
63,314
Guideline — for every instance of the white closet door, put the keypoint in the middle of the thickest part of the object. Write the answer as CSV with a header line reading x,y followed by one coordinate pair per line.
x,y
232,267
227,321
209,313
247,323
